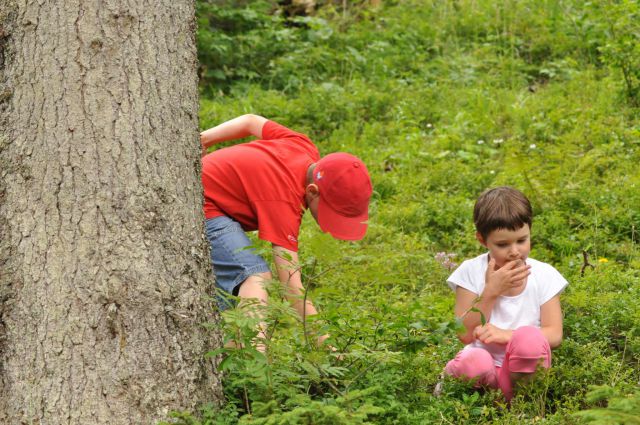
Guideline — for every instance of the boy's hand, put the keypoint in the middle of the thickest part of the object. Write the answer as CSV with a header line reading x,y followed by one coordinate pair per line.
x,y
322,339
489,334
203,148
329,347
509,276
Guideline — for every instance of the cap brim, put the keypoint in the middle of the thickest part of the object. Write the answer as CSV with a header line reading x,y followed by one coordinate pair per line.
x,y
340,226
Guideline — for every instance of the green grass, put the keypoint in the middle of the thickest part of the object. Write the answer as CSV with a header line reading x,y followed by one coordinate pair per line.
x,y
443,100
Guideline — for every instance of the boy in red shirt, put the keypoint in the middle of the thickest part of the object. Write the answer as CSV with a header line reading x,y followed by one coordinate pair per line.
x,y
266,185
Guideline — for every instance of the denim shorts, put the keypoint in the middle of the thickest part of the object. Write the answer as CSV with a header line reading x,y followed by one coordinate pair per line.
x,y
233,261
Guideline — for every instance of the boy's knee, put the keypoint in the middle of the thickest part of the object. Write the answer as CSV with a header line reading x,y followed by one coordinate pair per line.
x,y
258,279
265,277
254,286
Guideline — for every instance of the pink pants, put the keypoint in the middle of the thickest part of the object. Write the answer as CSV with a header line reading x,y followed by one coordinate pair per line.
x,y
524,352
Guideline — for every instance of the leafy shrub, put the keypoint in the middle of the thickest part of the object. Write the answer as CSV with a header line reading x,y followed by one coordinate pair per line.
x,y
441,100
238,43
621,409
621,49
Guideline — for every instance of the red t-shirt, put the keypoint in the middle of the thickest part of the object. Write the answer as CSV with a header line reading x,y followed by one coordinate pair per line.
x,y
261,184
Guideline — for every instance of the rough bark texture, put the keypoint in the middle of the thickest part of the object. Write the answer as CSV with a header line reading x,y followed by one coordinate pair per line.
x,y
104,269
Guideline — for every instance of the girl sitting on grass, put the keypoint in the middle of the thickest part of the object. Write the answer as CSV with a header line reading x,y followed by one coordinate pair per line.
x,y
509,303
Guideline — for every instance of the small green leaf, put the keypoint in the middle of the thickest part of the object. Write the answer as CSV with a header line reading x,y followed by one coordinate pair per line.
x,y
483,320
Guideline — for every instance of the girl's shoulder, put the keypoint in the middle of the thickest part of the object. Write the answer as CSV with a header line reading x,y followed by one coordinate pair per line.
x,y
547,281
470,274
474,266
540,267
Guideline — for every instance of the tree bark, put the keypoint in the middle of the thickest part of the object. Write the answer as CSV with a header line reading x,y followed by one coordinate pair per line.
x,y
104,269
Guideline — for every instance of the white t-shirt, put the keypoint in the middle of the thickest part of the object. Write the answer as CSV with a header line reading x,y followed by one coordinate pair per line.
x,y
543,283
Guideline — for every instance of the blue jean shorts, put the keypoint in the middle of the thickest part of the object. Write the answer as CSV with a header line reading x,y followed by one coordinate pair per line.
x,y
233,261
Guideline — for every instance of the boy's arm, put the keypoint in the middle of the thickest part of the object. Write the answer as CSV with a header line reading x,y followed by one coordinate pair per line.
x,y
237,128
551,321
288,268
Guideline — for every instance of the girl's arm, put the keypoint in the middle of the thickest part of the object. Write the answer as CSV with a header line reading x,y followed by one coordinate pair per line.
x,y
551,321
471,320
497,282
237,128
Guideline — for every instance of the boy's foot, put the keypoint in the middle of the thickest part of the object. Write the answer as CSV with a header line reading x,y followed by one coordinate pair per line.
x,y
258,344
232,344
334,351
437,390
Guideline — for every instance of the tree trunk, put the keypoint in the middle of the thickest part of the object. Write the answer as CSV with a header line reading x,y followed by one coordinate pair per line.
x,y
104,270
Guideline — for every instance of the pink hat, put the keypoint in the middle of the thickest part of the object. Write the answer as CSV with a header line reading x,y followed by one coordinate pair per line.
x,y
345,189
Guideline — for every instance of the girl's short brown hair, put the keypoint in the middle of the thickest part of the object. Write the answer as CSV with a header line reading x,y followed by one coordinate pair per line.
x,y
501,208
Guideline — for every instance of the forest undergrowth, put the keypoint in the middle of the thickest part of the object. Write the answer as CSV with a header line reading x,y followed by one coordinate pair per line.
x,y
441,99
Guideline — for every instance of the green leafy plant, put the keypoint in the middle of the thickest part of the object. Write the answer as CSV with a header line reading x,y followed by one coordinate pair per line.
x,y
474,309
621,49
620,408
441,100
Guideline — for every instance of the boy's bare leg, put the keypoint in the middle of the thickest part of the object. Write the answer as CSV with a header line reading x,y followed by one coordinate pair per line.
x,y
252,289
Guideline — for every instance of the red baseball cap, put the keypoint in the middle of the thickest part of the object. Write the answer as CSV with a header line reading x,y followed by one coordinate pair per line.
x,y
345,189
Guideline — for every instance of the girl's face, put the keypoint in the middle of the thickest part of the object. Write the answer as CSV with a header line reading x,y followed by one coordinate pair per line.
x,y
507,245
